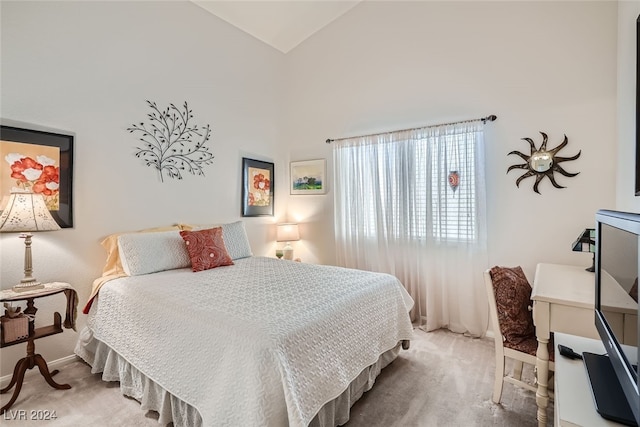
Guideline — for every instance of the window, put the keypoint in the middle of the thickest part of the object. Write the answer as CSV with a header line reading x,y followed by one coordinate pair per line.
x,y
418,184
454,208
397,212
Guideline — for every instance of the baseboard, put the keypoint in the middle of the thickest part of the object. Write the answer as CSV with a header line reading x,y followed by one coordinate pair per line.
x,y
488,333
54,364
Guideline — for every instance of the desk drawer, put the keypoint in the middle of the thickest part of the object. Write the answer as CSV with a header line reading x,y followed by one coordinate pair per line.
x,y
573,320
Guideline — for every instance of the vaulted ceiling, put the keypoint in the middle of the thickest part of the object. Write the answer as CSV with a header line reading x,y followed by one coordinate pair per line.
x,y
281,24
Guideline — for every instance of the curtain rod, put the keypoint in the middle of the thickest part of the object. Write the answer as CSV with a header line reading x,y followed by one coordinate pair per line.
x,y
490,118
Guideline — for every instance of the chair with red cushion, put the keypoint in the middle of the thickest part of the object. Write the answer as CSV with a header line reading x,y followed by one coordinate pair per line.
x,y
509,295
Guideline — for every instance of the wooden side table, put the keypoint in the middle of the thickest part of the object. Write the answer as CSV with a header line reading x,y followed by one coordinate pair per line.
x,y
32,359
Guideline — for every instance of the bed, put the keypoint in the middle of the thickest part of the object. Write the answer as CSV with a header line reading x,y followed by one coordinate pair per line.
x,y
256,342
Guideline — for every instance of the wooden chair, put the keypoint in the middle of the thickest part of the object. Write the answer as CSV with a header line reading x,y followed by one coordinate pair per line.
x,y
503,352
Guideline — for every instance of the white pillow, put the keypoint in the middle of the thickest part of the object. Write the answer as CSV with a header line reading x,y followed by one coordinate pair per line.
x,y
234,235
236,240
144,253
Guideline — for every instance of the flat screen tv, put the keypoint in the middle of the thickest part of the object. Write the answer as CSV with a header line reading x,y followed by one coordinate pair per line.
x,y
638,106
614,375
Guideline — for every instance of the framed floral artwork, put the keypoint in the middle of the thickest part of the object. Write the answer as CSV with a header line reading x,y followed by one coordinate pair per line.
x,y
308,177
257,188
41,162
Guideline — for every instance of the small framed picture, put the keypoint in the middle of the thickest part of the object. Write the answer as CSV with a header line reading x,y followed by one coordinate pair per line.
x,y
257,188
308,177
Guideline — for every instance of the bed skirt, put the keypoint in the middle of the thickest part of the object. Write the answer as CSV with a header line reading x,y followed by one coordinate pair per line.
x,y
152,396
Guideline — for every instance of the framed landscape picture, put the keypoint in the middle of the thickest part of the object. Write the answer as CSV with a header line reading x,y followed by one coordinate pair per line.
x,y
257,188
40,162
308,177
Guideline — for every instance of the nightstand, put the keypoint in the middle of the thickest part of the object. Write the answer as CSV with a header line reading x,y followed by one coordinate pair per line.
x,y
32,359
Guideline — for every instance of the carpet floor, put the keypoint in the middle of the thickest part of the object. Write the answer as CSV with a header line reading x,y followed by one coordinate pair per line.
x,y
444,379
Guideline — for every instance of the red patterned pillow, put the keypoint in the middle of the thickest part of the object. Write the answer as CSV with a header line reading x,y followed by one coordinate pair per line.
x,y
513,298
206,248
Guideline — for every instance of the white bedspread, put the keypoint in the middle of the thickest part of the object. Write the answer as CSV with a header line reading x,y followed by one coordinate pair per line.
x,y
265,342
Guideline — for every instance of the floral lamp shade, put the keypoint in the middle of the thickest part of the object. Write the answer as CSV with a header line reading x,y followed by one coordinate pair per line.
x,y
26,212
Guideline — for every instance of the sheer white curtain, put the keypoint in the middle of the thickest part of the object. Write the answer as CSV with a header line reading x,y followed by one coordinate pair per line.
x,y
398,211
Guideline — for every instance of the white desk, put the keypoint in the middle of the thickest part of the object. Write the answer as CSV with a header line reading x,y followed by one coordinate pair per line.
x,y
563,301
573,399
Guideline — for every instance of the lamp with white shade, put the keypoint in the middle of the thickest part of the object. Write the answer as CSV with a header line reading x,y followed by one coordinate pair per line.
x,y
24,213
287,232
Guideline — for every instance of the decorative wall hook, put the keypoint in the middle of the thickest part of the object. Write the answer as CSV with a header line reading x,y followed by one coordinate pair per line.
x,y
454,180
542,162
171,143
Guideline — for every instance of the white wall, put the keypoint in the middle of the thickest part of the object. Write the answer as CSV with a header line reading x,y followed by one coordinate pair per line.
x,y
87,68
539,66
626,200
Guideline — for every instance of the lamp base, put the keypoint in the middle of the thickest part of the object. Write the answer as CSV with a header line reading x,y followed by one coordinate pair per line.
x,y
288,252
28,282
27,286
593,265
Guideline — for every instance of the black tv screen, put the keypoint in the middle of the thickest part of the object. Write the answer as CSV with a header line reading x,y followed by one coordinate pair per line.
x,y
616,316
638,106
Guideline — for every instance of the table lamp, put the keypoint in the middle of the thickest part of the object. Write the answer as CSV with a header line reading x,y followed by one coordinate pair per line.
x,y
287,232
26,212
586,242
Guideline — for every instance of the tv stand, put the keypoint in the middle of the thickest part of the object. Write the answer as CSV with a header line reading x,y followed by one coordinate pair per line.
x,y
573,401
609,398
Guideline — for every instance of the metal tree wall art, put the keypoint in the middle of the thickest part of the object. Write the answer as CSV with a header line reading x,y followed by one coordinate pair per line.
x,y
542,162
171,143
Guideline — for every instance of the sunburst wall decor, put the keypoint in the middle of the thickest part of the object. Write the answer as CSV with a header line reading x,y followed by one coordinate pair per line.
x,y
542,162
